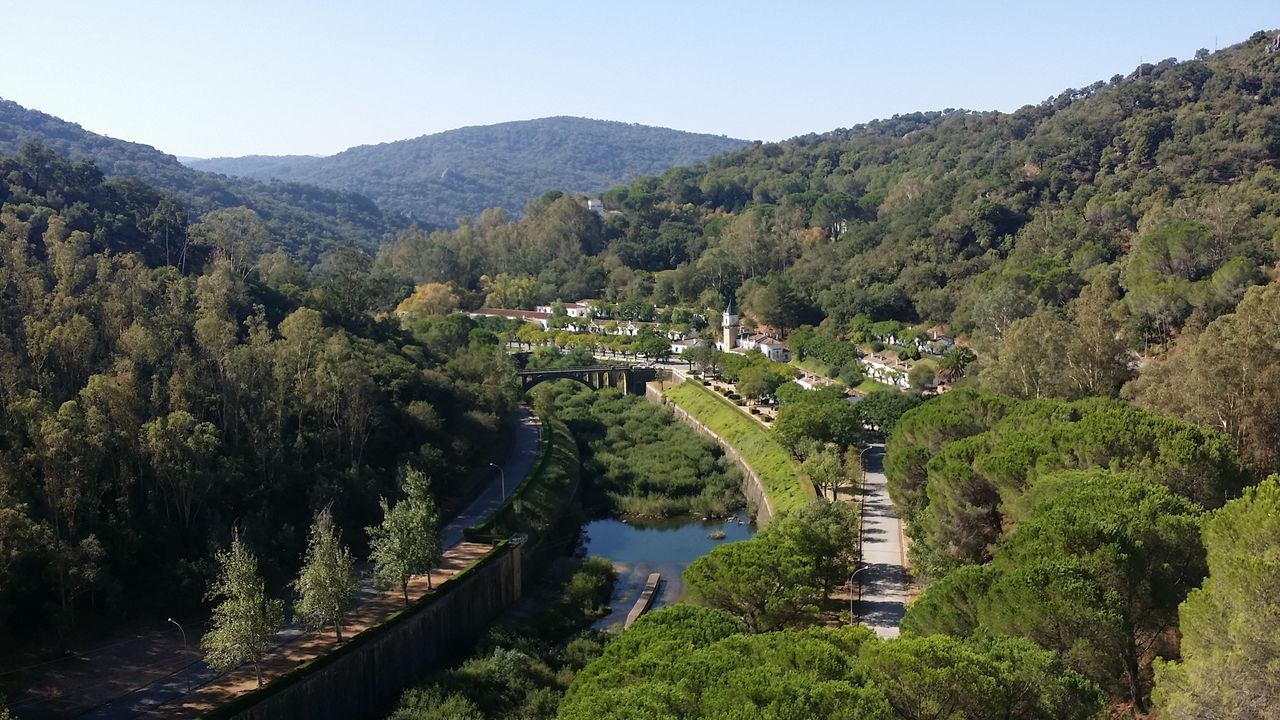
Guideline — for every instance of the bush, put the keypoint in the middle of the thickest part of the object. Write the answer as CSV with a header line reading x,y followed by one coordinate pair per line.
x,y
876,346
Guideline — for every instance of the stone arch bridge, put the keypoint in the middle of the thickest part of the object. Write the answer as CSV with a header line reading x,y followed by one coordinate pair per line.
x,y
625,378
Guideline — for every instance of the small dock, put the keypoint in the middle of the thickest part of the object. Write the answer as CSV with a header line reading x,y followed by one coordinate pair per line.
x,y
645,600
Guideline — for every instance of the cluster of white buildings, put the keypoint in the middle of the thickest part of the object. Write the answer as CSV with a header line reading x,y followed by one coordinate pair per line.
x,y
733,341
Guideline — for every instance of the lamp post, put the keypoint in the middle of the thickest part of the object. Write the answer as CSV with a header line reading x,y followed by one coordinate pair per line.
x,y
851,576
503,477
862,466
184,646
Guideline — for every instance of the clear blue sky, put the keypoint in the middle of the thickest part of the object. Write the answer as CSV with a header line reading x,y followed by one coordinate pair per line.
x,y
234,77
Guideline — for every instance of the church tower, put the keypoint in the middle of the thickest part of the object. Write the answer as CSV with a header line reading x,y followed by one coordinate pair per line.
x,y
729,321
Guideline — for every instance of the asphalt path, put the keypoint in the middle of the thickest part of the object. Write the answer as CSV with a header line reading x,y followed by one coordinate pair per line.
x,y
149,699
883,573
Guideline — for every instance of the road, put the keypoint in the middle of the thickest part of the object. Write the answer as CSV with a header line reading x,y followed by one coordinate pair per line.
x,y
150,699
524,453
884,577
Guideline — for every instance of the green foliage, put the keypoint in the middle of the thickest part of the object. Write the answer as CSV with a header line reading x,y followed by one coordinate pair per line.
x,y
305,219
760,582
1094,571
160,383
435,179
959,465
1231,624
684,662
1226,378
327,584
523,665
758,447
638,459
245,619
407,542
882,409
817,416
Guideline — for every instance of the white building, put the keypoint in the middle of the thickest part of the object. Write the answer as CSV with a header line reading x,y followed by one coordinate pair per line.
x,y
596,206
733,341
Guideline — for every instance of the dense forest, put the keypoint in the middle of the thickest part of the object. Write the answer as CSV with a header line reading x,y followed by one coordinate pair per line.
x,y
435,179
305,219
162,384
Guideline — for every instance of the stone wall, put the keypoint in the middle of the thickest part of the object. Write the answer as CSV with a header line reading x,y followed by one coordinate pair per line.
x,y
752,487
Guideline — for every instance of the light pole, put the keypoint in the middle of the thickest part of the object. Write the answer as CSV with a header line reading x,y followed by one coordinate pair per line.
x,y
503,477
184,647
862,466
855,572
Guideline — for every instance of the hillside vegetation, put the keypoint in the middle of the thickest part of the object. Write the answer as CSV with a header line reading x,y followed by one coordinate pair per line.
x,y
435,179
304,219
150,406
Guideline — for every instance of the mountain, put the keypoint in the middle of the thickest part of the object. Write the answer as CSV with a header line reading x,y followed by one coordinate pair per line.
x,y
1161,184
434,179
305,219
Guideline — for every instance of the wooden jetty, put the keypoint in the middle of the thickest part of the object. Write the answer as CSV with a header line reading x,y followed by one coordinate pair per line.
x,y
645,600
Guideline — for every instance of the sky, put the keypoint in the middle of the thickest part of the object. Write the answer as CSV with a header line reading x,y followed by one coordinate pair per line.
x,y
208,79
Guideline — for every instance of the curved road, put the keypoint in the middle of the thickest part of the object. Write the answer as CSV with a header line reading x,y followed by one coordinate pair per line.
x,y
883,577
149,699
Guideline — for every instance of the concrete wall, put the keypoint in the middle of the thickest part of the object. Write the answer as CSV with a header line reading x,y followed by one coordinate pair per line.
x,y
752,488
367,680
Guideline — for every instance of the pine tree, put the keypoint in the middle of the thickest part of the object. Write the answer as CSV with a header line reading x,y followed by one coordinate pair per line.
x,y
407,543
245,621
326,585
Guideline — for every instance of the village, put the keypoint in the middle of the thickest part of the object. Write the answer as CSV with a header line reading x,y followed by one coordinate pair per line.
x,y
884,355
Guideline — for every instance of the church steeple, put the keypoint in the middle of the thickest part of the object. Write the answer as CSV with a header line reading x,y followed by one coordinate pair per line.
x,y
729,321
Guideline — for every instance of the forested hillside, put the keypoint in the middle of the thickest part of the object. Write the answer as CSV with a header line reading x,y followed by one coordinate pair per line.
x,y
163,383
435,179
1165,176
305,219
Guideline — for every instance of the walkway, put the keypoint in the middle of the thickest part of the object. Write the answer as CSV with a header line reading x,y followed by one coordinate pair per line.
x,y
884,578
154,674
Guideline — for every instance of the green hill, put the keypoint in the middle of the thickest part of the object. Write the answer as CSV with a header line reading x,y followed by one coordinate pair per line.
x,y
434,179
1165,177
305,219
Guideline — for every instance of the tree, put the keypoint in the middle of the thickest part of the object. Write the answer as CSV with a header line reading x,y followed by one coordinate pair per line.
x,y
921,376
822,416
881,409
407,543
1231,625
1031,360
429,299
822,534
326,585
1098,360
761,583
825,469
955,362
237,236
758,382
245,620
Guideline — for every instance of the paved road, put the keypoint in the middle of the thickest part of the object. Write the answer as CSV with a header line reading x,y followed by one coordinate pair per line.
x,y
884,579
524,453
148,700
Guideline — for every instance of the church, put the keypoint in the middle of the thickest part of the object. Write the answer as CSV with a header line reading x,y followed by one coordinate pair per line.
x,y
734,341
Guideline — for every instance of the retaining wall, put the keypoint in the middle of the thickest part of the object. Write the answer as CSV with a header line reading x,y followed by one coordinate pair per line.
x,y
752,487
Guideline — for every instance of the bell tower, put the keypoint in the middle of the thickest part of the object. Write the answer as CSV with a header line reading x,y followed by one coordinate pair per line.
x,y
729,322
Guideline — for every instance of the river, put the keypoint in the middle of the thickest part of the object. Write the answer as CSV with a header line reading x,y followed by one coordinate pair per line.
x,y
638,548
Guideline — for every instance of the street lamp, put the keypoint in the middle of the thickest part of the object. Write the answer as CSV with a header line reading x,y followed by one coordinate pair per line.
x,y
503,476
851,576
184,647
863,466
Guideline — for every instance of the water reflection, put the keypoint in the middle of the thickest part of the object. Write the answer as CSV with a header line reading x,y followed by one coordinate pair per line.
x,y
638,548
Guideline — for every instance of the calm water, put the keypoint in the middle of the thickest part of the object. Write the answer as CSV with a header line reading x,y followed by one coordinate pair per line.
x,y
662,546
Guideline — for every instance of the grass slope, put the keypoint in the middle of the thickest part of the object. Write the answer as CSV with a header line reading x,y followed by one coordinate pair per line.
x,y
781,477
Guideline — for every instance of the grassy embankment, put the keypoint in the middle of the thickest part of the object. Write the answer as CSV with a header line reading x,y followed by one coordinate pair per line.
x,y
779,474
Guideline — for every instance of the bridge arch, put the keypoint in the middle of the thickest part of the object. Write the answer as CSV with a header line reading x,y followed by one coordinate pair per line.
x,y
626,379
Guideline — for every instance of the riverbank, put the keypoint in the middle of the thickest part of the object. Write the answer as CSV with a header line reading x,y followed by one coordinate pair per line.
x,y
781,488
